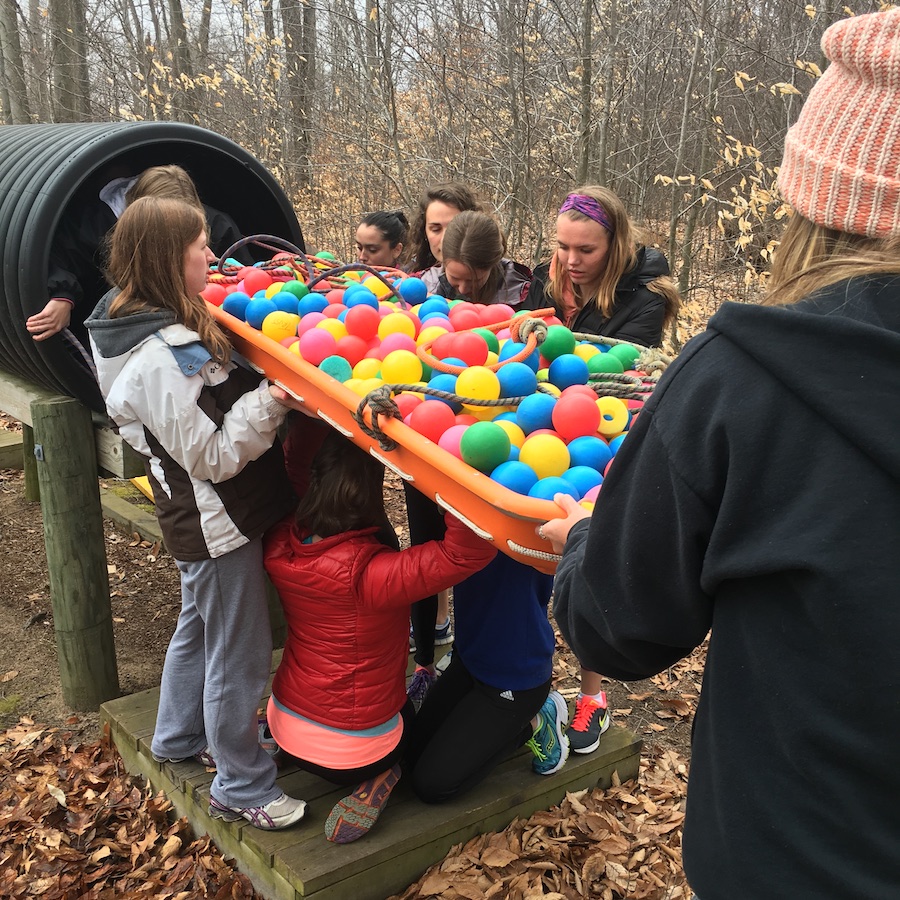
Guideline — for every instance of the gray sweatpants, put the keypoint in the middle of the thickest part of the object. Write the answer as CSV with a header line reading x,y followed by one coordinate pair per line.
x,y
215,672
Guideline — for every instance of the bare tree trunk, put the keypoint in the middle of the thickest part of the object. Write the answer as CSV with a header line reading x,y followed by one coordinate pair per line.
x,y
12,76
299,22
39,67
205,22
584,130
612,32
183,99
70,97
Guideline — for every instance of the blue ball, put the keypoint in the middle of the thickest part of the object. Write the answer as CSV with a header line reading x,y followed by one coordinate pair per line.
x,y
455,361
311,303
444,382
257,310
508,416
516,380
535,412
413,290
616,442
567,370
361,296
516,476
235,304
433,305
590,451
511,348
286,302
583,478
546,488
513,451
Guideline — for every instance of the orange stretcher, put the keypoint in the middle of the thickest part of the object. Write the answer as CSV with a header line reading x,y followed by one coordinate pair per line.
x,y
507,519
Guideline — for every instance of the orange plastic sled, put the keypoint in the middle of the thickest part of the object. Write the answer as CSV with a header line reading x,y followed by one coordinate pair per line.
x,y
506,519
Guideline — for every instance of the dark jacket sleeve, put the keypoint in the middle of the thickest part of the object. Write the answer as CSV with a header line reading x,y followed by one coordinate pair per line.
x,y
639,319
224,233
75,267
627,595
536,297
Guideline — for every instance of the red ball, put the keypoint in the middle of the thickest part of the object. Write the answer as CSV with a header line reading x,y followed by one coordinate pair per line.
x,y
496,312
431,419
471,348
576,415
333,310
582,389
463,419
443,345
254,279
352,348
335,295
406,403
362,321
215,294
465,318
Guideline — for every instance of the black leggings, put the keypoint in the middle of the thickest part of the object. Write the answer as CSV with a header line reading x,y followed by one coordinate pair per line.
x,y
426,523
465,729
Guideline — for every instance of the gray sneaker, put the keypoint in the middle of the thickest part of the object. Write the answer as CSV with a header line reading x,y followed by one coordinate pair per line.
x,y
280,813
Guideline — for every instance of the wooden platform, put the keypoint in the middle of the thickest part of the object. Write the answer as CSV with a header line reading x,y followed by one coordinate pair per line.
x,y
410,836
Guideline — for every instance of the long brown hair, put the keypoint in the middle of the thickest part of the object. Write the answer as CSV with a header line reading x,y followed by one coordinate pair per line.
x,y
454,194
624,241
811,257
475,240
165,181
146,262
345,489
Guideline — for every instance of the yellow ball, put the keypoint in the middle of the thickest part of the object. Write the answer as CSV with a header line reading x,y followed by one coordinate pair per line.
x,y
429,333
401,367
546,454
363,386
516,435
492,358
273,289
613,416
585,351
479,383
483,413
394,322
335,327
367,368
377,287
280,325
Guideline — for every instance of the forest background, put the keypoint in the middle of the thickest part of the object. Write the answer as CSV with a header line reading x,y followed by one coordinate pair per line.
x,y
679,106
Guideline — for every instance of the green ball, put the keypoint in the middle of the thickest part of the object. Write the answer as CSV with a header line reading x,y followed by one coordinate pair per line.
x,y
559,342
484,446
337,367
325,254
626,354
489,338
297,288
605,362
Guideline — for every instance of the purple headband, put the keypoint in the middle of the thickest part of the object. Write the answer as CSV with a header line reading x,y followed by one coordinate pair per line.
x,y
589,207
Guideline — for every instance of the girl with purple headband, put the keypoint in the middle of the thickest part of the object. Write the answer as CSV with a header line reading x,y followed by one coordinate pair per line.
x,y
602,281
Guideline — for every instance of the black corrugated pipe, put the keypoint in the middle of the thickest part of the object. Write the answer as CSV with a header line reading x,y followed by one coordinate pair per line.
x,y
48,171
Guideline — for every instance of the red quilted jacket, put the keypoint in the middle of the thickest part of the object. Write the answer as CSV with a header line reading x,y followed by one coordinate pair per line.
x,y
346,601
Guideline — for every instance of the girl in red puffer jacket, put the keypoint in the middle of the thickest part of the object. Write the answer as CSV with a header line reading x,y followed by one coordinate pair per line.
x,y
339,703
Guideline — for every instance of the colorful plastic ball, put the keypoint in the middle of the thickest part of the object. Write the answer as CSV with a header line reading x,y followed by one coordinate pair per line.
x,y
442,347
335,311
603,363
626,353
311,303
257,310
585,351
278,325
616,443
558,342
516,380
406,402
613,415
316,344
285,301
592,495
546,454
465,419
334,327
215,294
512,348
337,367
547,488
309,321
584,478
377,286
464,318
568,370
433,305
351,348
401,367
489,338
470,347
429,333
575,415
495,313
515,434
444,381
254,279
535,412
451,438
431,420
484,446
590,451
515,476
362,321
397,341
273,289
327,255
396,322
507,416
235,304
297,288
478,383
361,297
335,295
413,290
367,368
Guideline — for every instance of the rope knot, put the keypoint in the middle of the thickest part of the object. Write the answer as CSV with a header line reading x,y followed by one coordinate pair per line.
x,y
379,403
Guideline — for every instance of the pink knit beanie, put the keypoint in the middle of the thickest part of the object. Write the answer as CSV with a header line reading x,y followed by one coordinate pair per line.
x,y
841,166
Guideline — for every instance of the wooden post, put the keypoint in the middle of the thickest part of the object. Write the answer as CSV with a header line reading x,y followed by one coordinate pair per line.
x,y
29,465
76,552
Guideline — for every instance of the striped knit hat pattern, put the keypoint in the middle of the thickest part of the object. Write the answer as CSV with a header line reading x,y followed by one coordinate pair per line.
x,y
841,166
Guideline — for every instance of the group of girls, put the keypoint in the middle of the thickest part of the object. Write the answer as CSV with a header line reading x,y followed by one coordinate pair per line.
x,y
207,427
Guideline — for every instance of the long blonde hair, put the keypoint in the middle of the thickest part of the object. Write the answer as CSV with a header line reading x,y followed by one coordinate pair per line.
x,y
624,241
146,262
811,257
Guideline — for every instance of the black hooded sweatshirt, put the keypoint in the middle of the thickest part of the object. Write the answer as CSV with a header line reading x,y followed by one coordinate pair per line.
x,y
759,495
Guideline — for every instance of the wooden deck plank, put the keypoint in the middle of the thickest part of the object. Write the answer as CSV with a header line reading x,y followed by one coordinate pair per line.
x,y
411,836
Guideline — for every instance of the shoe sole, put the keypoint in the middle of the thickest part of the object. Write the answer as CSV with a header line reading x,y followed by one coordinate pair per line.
x,y
591,748
562,720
